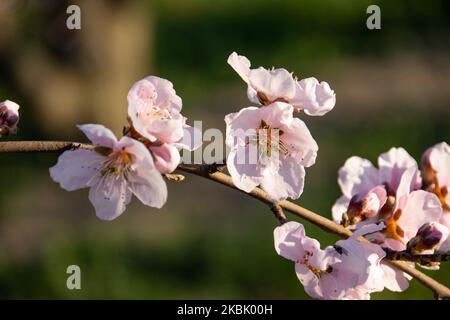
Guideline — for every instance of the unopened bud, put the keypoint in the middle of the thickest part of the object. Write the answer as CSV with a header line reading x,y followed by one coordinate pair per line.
x,y
428,237
363,206
9,117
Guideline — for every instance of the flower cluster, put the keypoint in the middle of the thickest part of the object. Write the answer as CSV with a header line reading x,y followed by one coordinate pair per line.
x,y
115,169
269,147
413,205
394,206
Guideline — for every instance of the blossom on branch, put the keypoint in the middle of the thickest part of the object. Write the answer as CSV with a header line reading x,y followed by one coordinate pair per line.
x,y
269,148
113,170
390,193
358,177
268,86
155,119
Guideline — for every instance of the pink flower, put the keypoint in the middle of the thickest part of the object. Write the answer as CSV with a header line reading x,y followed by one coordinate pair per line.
x,y
358,177
411,211
360,267
404,211
436,172
313,266
352,271
268,86
154,110
9,117
155,119
269,148
113,170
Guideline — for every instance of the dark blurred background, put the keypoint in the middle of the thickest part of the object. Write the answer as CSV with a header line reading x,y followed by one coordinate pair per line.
x,y
392,88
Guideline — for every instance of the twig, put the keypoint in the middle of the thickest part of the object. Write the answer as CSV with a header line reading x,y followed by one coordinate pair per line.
x,y
417,258
207,171
278,212
41,146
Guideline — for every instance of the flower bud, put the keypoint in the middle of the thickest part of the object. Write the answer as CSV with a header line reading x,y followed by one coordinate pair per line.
x,y
363,206
9,117
428,237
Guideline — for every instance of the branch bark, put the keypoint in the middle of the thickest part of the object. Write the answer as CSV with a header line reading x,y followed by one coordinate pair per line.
x,y
417,258
211,172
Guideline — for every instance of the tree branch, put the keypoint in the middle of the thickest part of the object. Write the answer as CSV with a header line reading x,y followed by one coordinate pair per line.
x,y
417,258
211,172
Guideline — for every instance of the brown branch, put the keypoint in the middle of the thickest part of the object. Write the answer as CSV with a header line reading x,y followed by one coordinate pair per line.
x,y
278,212
424,259
41,146
210,172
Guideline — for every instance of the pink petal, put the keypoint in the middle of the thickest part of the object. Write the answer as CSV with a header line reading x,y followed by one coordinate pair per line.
x,y
246,175
394,279
275,84
167,158
405,185
149,187
339,208
287,240
421,207
392,164
166,93
440,162
138,124
287,181
168,131
110,197
99,135
240,124
11,106
300,142
445,220
75,168
240,64
192,138
358,175
155,91
315,98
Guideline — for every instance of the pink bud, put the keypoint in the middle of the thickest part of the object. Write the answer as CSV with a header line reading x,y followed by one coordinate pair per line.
x,y
9,117
428,237
365,205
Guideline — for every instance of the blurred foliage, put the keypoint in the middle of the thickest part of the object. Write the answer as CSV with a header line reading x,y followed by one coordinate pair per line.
x,y
209,242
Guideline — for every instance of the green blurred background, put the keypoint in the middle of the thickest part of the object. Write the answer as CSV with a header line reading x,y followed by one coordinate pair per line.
x,y
392,88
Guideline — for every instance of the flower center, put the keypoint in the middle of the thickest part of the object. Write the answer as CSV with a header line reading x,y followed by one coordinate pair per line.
x,y
264,100
117,163
393,230
317,272
267,139
154,112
